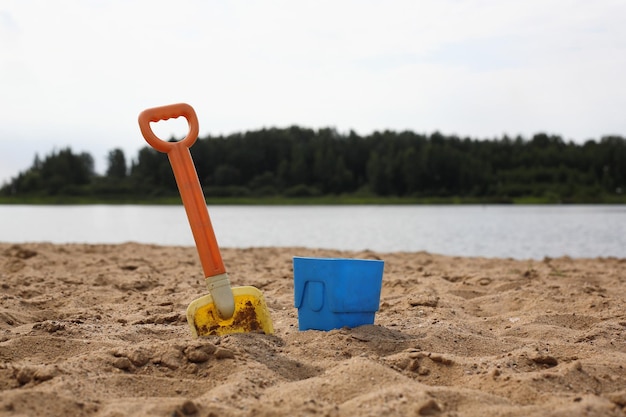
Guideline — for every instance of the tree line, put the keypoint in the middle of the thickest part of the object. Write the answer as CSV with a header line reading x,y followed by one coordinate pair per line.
x,y
302,162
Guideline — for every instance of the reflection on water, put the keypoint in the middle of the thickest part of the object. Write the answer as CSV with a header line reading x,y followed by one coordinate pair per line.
x,y
493,231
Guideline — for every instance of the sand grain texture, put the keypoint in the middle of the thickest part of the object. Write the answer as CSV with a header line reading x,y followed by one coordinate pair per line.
x,y
99,330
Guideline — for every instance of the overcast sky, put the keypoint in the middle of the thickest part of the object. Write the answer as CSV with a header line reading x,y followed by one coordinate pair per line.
x,y
78,72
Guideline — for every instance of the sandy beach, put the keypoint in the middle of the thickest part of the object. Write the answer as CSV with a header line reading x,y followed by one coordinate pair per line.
x,y
100,330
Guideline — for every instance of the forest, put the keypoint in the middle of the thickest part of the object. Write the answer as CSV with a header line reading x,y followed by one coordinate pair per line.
x,y
300,163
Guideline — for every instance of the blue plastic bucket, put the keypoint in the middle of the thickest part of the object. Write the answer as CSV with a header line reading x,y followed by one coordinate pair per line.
x,y
331,293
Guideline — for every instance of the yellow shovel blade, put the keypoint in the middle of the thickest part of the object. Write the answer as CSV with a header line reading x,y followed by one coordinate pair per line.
x,y
251,315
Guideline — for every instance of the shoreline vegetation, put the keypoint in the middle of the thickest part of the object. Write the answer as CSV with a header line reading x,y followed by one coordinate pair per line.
x,y
324,200
294,166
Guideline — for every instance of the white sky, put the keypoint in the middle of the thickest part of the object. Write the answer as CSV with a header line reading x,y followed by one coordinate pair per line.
x,y
78,72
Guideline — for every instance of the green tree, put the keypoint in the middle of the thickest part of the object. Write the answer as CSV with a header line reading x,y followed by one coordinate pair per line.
x,y
116,164
226,174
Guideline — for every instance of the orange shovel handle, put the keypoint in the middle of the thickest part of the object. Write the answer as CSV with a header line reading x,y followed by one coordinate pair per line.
x,y
187,180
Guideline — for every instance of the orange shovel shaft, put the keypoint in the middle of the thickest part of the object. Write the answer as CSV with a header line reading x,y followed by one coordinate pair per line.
x,y
187,181
197,213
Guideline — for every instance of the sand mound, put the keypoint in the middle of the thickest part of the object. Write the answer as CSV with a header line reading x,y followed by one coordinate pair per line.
x,y
100,330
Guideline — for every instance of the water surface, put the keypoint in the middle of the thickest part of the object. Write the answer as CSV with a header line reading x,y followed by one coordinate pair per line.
x,y
493,231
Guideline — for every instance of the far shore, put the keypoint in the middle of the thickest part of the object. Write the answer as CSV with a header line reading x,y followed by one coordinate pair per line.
x,y
318,200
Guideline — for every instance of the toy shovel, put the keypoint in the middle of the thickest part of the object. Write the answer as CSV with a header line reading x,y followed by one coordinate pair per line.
x,y
224,310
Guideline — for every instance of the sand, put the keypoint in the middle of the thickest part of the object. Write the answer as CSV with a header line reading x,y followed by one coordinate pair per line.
x,y
100,330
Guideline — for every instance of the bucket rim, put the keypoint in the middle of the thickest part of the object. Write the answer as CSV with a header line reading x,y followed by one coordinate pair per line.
x,y
312,258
